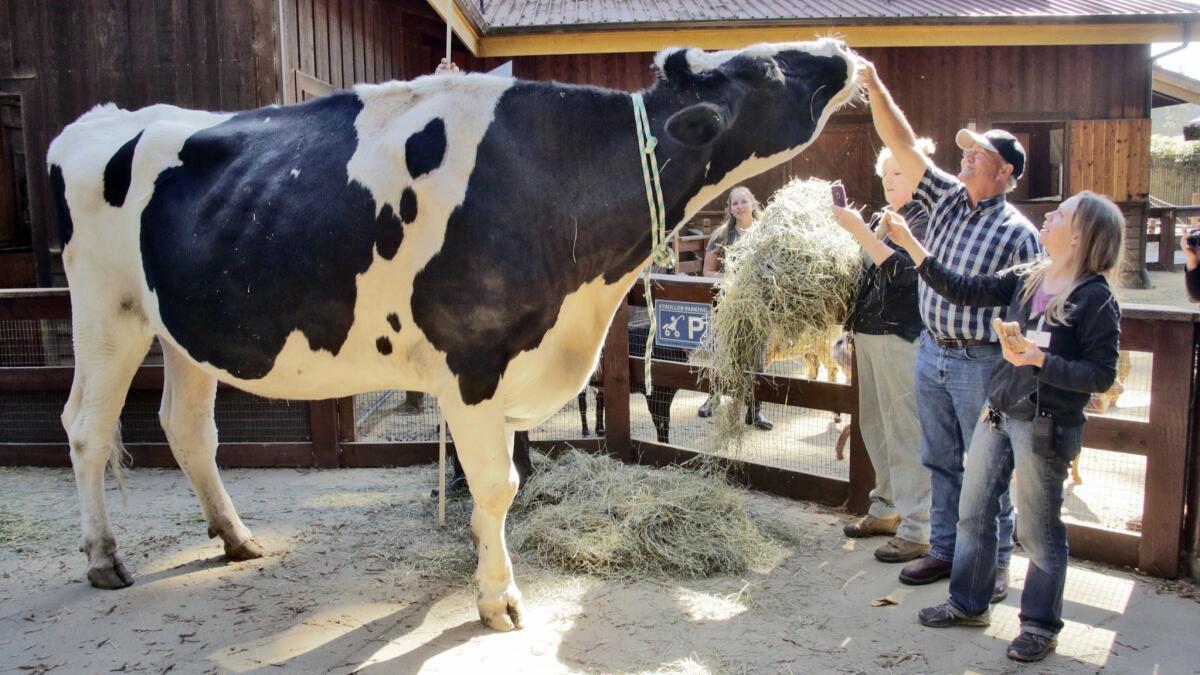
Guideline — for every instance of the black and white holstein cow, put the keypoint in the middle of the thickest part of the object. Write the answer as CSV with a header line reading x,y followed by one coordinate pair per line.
x,y
469,236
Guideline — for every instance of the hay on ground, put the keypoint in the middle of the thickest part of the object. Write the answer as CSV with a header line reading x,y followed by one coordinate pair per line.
x,y
594,515
786,281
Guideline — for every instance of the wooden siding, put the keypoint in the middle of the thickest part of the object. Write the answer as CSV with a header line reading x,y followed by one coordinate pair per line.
x,y
1111,157
63,58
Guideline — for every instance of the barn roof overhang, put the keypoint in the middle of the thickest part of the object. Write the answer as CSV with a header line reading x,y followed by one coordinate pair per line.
x,y
908,31
1171,88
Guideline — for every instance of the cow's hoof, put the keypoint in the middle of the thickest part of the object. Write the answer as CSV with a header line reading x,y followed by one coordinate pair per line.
x,y
503,612
247,550
110,574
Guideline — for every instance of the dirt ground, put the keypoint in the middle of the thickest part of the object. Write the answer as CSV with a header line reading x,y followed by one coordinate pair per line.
x,y
359,579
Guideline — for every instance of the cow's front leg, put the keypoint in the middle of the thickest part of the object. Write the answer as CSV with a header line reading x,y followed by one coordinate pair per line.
x,y
485,447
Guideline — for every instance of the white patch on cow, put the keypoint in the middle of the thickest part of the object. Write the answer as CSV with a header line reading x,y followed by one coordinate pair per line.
x,y
538,381
295,173
701,61
392,112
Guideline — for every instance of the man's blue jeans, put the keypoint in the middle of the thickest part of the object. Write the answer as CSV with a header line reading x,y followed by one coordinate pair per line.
x,y
995,450
951,391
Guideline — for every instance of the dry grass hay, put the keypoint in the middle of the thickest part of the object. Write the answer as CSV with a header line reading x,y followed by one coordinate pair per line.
x,y
595,515
787,280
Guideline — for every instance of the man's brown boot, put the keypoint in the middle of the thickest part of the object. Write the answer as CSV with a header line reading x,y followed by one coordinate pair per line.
x,y
899,550
870,526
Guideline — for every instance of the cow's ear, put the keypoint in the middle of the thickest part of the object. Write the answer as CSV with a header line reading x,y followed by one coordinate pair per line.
x,y
699,124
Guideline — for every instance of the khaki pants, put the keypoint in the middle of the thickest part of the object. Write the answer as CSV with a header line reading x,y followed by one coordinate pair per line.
x,y
887,419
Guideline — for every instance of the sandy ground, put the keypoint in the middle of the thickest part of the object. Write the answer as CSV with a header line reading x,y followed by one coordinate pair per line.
x,y
358,579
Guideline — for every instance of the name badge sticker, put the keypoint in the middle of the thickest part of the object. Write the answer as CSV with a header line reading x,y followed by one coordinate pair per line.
x,y
1041,338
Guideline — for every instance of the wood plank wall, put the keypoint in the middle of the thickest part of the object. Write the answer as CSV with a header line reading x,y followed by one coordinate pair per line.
x,y
63,58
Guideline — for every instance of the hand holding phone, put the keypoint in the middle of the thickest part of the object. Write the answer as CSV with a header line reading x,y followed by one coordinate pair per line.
x,y
839,194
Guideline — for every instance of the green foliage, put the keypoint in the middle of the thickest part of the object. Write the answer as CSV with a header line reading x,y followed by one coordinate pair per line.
x,y
1172,152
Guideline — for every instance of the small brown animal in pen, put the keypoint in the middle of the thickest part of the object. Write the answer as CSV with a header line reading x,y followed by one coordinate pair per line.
x,y
1101,402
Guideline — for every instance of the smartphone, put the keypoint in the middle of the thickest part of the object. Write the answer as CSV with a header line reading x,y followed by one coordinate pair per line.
x,y
839,194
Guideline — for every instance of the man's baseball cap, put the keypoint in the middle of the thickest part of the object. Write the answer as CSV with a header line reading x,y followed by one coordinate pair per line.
x,y
998,141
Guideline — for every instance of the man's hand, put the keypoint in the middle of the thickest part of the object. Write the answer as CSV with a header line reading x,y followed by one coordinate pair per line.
x,y
1016,348
447,67
868,77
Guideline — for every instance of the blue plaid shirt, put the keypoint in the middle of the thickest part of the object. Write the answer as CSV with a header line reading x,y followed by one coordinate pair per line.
x,y
972,241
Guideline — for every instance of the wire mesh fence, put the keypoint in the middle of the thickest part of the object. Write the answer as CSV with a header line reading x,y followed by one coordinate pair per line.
x,y
34,417
1129,397
1106,490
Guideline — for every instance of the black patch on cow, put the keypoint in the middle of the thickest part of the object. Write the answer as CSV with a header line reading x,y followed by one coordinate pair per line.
x,y
425,150
570,206
384,345
58,193
259,233
408,205
390,233
119,171
394,321
533,227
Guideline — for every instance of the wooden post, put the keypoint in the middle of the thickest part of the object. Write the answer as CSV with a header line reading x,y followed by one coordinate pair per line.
x,y
862,474
615,368
1192,523
1166,464
347,432
322,419
1167,243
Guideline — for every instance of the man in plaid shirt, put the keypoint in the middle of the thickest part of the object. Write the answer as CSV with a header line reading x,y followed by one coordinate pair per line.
x,y
973,230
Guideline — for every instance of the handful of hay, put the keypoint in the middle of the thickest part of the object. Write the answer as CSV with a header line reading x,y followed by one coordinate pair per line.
x,y
787,279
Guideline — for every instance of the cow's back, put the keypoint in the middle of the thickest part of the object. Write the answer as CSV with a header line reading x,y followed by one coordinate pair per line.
x,y
264,236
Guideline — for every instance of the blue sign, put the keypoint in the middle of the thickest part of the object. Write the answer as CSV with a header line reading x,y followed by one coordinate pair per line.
x,y
681,324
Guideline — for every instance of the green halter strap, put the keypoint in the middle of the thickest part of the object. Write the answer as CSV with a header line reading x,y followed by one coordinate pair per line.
x,y
660,254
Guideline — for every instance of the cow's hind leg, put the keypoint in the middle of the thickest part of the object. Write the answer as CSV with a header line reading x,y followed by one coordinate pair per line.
x,y
110,343
187,418
484,445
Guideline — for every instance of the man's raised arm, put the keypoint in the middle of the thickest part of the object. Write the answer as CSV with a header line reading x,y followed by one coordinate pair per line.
x,y
891,125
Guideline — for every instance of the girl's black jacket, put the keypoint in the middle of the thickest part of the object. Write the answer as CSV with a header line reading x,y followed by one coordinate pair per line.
x,y
1081,360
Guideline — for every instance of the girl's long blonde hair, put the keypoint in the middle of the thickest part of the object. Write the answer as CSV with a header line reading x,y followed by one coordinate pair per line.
x,y
1100,226
722,233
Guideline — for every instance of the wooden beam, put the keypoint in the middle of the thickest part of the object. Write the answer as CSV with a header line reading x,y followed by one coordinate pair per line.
x,y
615,370
776,481
1112,547
914,35
229,455
323,419
462,26
838,398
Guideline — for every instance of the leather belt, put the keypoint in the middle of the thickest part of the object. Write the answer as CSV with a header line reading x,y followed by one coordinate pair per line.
x,y
950,343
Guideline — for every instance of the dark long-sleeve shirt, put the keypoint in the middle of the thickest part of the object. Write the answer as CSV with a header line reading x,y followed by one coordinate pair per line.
x,y
1192,279
1081,359
886,303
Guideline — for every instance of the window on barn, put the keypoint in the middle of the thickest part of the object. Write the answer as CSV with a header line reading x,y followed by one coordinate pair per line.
x,y
1045,159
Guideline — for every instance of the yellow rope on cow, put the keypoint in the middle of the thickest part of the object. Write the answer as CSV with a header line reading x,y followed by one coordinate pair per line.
x,y
660,254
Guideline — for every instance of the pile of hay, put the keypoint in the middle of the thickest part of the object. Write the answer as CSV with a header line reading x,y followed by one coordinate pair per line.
x,y
787,279
592,514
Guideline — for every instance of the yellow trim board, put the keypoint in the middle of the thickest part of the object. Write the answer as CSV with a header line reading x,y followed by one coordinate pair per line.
x,y
944,35
462,26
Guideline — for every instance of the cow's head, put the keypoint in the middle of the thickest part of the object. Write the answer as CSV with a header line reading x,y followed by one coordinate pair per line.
x,y
753,103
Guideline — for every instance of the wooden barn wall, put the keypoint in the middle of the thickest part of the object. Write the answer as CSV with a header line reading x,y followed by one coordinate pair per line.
x,y
63,58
